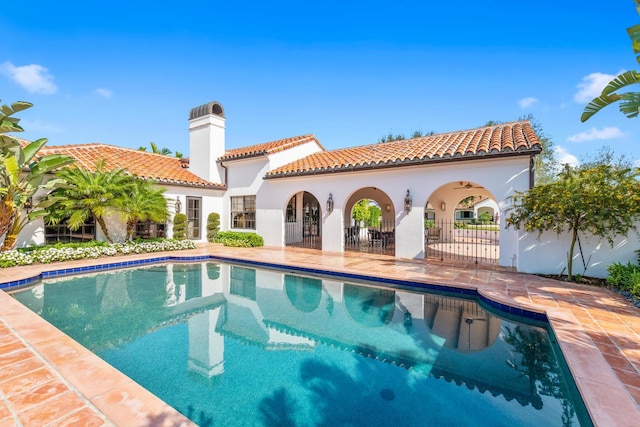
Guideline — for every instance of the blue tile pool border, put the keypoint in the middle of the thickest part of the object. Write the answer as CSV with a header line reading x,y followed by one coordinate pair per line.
x,y
505,308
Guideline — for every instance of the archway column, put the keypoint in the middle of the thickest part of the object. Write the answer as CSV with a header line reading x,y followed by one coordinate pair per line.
x,y
410,232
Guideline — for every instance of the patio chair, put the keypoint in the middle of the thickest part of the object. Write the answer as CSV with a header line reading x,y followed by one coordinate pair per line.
x,y
376,237
432,235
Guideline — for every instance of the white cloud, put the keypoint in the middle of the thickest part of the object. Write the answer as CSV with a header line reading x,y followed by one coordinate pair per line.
x,y
564,157
592,85
593,133
527,102
636,163
105,93
34,78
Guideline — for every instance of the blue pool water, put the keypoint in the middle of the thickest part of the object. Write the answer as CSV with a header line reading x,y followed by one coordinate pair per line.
x,y
230,345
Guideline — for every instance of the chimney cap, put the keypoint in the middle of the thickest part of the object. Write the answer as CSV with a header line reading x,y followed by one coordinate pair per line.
x,y
212,108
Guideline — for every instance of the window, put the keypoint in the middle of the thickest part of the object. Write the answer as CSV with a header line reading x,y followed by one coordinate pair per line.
x,y
243,212
149,229
194,217
60,232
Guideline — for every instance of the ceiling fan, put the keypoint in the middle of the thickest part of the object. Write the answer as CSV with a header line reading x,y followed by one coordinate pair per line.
x,y
467,186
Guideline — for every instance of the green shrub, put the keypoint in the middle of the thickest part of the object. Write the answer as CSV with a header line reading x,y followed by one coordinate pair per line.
x,y
485,218
213,226
239,239
429,223
460,224
625,277
180,226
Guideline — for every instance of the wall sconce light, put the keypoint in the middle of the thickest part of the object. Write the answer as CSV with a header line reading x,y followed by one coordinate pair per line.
x,y
330,203
178,205
443,206
388,207
407,202
28,204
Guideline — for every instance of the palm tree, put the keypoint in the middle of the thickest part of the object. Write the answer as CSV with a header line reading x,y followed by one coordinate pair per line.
x,y
155,149
20,175
144,201
629,101
87,193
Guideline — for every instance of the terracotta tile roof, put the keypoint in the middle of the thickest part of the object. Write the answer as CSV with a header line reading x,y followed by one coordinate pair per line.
x,y
162,169
268,147
509,139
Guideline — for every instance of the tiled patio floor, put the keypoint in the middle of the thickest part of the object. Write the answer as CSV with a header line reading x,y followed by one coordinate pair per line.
x,y
48,379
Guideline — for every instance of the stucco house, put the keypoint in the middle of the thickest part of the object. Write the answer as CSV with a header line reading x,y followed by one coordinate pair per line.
x,y
295,192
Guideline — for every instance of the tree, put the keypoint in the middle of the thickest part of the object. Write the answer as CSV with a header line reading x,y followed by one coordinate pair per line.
x,y
142,201
546,165
399,137
629,101
21,176
602,199
180,226
213,226
88,193
360,211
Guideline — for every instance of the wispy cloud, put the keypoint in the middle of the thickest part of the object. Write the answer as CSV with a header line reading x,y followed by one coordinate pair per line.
x,y
105,93
34,78
564,157
40,127
527,102
593,134
591,86
636,163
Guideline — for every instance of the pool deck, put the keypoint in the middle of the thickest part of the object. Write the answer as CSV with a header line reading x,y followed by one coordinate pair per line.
x,y
47,379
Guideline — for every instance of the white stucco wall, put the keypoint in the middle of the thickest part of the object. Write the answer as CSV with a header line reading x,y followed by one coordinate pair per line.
x,y
500,177
548,253
33,233
245,178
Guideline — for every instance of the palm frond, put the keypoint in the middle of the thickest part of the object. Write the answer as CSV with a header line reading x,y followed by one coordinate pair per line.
x,y
598,104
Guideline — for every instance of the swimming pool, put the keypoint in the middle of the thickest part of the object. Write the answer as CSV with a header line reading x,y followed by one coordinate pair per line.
x,y
230,344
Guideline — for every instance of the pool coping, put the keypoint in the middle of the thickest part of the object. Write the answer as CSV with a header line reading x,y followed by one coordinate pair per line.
x,y
615,406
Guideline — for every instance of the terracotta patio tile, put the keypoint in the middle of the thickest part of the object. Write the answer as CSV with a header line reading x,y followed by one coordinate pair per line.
x,y
92,376
26,381
85,417
11,357
38,394
11,347
4,410
60,350
51,410
22,361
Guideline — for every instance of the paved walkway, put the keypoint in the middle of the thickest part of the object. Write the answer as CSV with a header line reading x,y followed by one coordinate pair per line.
x,y
48,379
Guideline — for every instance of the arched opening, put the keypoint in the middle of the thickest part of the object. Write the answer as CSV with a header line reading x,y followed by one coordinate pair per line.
x,y
461,222
304,293
369,218
303,221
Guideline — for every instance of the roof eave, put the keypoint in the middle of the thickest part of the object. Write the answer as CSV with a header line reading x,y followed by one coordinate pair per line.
x,y
403,163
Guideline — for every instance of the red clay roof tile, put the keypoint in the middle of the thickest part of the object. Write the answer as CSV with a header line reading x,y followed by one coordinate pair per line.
x,y
160,168
508,139
268,147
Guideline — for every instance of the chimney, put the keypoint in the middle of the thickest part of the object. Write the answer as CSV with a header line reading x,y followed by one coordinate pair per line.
x,y
206,141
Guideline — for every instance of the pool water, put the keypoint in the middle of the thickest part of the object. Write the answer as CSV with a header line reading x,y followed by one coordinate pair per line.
x,y
230,345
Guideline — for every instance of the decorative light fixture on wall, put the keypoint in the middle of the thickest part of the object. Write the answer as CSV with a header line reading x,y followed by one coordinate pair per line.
x,y
330,203
407,202
443,206
388,207
178,205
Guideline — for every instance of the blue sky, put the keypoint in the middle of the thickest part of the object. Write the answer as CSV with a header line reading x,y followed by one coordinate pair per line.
x,y
350,72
